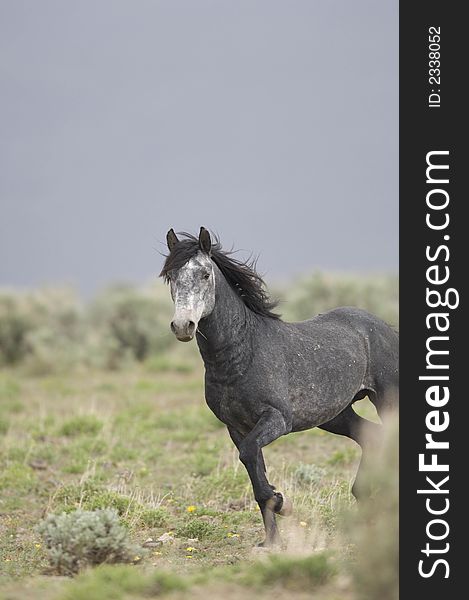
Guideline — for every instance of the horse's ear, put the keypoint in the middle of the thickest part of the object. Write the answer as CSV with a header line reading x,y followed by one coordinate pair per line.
x,y
171,239
205,242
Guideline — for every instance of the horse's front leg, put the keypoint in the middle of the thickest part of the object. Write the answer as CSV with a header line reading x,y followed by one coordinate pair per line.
x,y
270,426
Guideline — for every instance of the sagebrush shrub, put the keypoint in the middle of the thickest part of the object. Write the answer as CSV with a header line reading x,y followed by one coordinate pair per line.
x,y
305,473
52,330
85,538
43,328
14,327
131,324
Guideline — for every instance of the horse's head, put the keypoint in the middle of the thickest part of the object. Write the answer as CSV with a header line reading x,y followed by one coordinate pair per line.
x,y
192,283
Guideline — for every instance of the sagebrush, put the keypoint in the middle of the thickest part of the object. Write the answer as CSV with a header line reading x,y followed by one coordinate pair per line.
x,y
52,330
83,538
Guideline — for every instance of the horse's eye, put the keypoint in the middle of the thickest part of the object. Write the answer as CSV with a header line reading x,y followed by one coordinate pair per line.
x,y
206,275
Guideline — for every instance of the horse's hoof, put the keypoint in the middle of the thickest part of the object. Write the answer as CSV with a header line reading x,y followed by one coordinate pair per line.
x,y
280,505
262,548
262,545
286,508
268,545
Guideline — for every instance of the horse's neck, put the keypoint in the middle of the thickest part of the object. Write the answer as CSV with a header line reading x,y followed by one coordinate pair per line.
x,y
225,336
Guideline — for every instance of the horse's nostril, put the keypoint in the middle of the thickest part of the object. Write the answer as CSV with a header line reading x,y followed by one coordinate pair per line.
x,y
173,329
191,325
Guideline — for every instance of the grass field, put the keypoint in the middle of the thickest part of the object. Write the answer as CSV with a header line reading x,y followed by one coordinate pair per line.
x,y
101,408
143,442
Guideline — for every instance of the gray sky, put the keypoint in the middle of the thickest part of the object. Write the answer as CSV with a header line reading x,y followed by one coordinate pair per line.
x,y
274,123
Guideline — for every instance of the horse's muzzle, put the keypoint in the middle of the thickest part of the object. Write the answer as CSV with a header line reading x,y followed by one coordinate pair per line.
x,y
183,329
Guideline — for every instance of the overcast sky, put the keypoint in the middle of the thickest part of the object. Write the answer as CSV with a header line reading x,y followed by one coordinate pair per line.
x,y
274,123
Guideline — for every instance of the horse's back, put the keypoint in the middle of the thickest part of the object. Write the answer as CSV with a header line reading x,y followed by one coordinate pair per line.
x,y
349,319
378,339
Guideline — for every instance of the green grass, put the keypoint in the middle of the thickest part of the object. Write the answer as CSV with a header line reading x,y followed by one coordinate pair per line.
x,y
119,582
81,425
164,364
294,573
142,441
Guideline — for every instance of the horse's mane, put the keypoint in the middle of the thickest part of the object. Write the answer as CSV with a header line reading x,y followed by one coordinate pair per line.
x,y
241,276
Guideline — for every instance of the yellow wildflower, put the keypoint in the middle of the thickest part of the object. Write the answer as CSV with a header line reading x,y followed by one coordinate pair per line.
x,y
191,508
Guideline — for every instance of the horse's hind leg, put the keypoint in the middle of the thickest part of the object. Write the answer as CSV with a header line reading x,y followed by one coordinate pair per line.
x,y
364,432
385,399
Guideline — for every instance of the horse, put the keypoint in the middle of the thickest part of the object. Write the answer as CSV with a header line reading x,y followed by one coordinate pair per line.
x,y
265,377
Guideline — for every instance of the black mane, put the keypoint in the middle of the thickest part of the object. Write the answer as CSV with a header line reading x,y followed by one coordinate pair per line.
x,y
242,277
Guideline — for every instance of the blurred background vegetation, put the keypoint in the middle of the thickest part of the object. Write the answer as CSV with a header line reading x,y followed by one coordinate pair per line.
x,y
52,330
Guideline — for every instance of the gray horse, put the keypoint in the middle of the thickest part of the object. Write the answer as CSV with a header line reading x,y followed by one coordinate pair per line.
x,y
264,377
